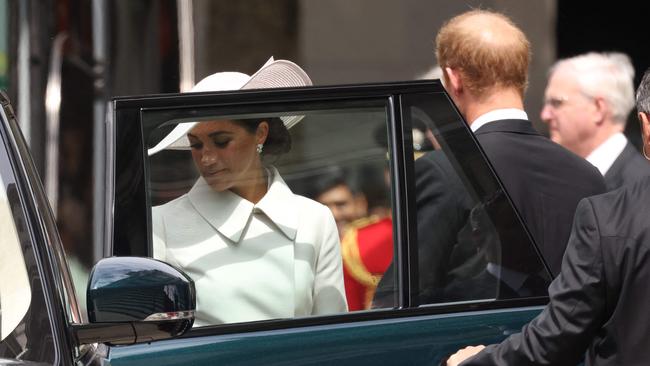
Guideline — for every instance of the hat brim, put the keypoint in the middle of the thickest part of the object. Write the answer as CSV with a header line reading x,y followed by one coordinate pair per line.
x,y
274,74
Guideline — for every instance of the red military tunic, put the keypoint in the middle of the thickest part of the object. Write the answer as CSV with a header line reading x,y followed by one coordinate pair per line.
x,y
367,250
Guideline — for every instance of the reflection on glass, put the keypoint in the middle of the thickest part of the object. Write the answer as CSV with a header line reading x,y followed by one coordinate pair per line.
x,y
15,292
341,161
470,244
255,249
25,325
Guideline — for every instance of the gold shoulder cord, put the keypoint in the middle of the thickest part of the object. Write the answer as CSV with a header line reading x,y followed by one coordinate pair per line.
x,y
351,256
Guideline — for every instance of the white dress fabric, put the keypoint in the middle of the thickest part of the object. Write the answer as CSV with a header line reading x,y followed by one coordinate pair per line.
x,y
279,258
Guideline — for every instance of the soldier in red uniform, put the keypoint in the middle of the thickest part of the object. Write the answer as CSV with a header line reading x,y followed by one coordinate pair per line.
x,y
367,244
367,250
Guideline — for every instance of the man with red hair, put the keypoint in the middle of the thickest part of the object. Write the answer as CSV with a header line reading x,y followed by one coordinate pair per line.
x,y
484,57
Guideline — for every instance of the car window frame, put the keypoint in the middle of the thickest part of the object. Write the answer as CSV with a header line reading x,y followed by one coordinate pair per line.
x,y
126,121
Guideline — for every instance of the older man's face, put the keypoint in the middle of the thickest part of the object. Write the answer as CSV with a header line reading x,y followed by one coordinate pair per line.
x,y
569,113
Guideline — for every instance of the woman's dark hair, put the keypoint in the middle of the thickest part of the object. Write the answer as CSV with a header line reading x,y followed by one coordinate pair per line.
x,y
278,140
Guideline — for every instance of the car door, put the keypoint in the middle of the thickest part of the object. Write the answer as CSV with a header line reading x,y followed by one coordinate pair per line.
x,y
35,304
41,321
428,263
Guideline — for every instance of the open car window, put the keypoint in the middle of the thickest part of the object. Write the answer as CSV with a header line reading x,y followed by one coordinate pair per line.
x,y
384,200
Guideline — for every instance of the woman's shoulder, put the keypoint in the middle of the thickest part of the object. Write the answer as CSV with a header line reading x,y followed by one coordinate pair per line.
x,y
311,213
298,202
307,204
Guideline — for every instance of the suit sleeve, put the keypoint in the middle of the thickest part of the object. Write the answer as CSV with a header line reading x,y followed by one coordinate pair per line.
x,y
564,329
329,292
440,215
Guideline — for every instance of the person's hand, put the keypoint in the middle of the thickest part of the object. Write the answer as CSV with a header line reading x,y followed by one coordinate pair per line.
x,y
463,354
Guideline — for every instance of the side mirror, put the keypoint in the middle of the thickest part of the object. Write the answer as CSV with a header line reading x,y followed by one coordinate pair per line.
x,y
134,300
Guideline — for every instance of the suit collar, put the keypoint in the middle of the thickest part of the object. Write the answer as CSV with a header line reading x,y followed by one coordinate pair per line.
x,y
229,214
622,159
604,156
509,125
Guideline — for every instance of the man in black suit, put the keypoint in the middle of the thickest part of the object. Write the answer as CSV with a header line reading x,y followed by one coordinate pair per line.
x,y
484,58
599,302
587,101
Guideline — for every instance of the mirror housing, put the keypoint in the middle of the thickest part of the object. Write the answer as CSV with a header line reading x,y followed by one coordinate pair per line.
x,y
134,300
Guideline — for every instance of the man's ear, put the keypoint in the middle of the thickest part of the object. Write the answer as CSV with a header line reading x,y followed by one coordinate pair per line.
x,y
602,109
453,80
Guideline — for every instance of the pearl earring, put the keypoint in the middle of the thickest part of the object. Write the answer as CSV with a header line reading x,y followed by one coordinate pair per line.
x,y
260,147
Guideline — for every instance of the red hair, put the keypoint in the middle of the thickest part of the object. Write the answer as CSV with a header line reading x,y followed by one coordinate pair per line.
x,y
488,49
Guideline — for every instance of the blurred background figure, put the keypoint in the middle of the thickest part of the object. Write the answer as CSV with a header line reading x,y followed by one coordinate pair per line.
x,y
587,101
346,203
366,236
367,251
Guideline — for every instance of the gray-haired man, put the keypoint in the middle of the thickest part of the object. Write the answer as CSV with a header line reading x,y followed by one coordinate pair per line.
x,y
587,101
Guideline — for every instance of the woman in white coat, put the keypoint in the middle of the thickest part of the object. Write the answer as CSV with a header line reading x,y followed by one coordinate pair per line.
x,y
254,249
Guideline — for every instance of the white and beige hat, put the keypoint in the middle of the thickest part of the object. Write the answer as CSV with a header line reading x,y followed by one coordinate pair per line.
x,y
274,74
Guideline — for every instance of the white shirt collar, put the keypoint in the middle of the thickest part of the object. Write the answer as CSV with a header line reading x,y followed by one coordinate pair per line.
x,y
603,156
229,213
497,114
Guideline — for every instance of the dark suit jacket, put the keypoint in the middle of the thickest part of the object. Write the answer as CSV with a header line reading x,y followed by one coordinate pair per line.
x,y
628,167
600,300
544,180
443,207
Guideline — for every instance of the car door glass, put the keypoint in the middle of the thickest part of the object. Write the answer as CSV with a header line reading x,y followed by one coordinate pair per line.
x,y
26,333
316,243
471,244
360,152
15,291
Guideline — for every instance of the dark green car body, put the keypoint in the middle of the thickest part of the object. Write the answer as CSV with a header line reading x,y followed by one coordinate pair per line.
x,y
416,340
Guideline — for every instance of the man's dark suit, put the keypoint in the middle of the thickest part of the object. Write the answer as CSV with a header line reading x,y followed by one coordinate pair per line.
x,y
599,302
628,167
544,180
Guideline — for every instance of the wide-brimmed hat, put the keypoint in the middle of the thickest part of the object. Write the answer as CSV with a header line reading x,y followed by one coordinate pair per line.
x,y
274,74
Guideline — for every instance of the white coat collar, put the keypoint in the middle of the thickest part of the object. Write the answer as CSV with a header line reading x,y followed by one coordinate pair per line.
x,y
229,214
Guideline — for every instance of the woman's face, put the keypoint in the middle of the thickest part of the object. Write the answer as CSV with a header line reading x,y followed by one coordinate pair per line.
x,y
226,153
